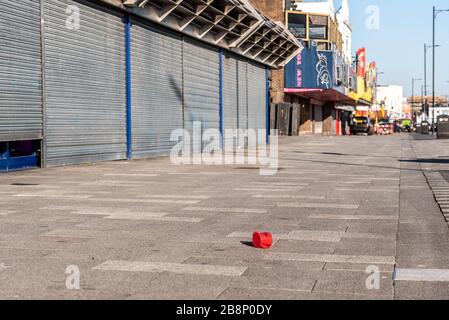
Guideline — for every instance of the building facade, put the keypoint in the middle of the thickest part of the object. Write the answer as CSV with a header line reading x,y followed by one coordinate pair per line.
x,y
391,97
87,81
422,110
315,91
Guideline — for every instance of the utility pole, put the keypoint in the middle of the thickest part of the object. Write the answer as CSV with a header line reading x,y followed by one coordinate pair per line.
x,y
423,106
434,17
433,67
426,103
425,78
413,92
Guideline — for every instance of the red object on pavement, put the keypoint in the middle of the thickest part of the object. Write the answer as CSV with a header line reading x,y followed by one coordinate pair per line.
x,y
262,240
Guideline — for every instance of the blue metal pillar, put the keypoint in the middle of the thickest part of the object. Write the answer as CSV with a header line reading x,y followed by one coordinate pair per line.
x,y
221,98
268,105
129,146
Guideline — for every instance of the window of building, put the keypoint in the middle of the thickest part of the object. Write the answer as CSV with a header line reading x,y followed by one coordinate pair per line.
x,y
318,27
297,24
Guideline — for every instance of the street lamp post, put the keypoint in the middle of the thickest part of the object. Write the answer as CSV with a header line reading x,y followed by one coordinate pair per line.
x,y
423,107
426,48
436,12
413,92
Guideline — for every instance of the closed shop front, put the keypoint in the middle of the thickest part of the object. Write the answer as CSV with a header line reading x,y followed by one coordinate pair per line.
x,y
20,70
305,118
257,98
157,92
317,119
230,98
85,116
242,85
328,119
201,66
235,100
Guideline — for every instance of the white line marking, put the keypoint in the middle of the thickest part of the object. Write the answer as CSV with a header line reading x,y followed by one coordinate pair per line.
x,y
226,210
261,196
7,212
330,258
163,201
425,275
266,190
55,196
313,235
316,205
154,218
130,175
117,213
351,217
172,196
140,266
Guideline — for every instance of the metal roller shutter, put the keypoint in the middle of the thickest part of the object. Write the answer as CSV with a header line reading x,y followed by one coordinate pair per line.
x,y
230,96
243,97
20,70
156,89
257,97
235,95
85,84
201,85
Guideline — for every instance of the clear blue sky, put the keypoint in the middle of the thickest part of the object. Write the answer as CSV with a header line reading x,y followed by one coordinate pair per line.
x,y
397,46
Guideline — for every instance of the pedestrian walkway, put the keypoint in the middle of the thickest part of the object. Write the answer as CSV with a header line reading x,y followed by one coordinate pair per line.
x,y
352,218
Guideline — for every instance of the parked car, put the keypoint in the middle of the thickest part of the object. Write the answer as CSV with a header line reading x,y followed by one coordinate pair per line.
x,y
384,127
362,125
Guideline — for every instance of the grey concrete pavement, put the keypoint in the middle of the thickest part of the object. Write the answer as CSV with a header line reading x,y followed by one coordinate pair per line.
x,y
338,207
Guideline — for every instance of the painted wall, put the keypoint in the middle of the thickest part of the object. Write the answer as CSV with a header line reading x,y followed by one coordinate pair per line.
x,y
311,69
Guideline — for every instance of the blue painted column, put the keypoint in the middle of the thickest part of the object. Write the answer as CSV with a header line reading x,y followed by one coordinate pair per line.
x,y
129,145
268,105
221,98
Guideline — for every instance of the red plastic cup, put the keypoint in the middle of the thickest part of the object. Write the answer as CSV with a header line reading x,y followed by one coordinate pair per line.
x,y
262,240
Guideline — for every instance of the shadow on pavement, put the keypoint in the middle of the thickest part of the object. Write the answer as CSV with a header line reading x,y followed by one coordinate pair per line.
x,y
357,164
432,160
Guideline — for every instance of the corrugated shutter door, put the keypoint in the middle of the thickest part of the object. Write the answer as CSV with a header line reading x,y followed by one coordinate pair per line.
x,y
243,97
201,85
85,85
257,98
156,89
230,96
20,70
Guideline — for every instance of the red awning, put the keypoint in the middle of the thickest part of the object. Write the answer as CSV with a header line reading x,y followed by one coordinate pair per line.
x,y
325,95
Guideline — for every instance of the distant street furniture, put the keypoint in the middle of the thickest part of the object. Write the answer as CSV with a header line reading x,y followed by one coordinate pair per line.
x,y
425,127
443,127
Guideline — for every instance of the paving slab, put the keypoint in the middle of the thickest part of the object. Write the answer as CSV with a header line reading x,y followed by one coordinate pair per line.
x,y
152,230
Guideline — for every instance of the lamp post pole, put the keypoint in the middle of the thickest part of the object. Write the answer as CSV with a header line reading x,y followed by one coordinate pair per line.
x,y
413,92
426,105
433,66
436,12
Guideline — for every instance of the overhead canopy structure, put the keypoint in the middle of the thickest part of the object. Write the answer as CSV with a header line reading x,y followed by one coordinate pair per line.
x,y
323,95
271,44
230,24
